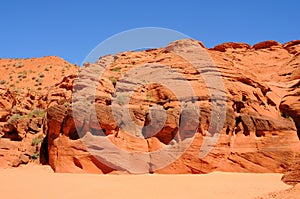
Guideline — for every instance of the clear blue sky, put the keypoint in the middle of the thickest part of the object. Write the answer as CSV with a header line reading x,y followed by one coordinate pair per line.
x,y
70,29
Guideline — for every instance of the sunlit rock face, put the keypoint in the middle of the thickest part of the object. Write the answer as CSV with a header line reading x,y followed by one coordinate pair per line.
x,y
154,111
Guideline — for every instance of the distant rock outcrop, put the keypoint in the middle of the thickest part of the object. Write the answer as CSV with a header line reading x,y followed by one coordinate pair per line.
x,y
24,98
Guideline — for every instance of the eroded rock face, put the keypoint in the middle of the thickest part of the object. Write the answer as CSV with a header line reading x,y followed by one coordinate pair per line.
x,y
24,97
18,131
292,176
259,133
7,102
130,117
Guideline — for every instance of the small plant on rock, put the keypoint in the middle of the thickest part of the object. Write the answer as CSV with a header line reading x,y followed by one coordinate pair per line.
x,y
148,96
36,141
19,65
14,118
35,156
113,79
66,104
41,75
116,69
37,113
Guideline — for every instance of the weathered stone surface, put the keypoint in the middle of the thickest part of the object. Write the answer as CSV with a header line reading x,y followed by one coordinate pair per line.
x,y
26,90
231,45
293,46
266,44
135,114
7,102
292,175
259,133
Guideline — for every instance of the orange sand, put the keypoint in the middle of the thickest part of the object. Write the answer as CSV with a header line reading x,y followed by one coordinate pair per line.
x,y
41,182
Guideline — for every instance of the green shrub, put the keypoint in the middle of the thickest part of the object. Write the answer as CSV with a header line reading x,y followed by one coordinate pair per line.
x,y
39,80
116,69
35,141
14,118
17,90
66,104
113,79
148,96
37,113
41,75
35,156
19,65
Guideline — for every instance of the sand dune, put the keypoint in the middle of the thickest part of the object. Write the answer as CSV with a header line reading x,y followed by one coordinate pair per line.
x,y
41,182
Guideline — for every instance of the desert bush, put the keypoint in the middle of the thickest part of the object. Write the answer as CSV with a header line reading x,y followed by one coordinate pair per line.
x,y
35,141
113,79
41,75
116,69
37,113
35,156
14,118
39,80
66,104
19,65
148,96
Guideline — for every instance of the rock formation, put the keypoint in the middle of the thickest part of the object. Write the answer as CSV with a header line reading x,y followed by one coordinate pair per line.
x,y
23,94
260,133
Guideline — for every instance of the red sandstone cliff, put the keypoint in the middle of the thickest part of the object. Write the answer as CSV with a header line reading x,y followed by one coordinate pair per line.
x,y
261,128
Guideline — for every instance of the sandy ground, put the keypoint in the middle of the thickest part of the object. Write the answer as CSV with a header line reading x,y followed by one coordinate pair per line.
x,y
291,193
35,181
